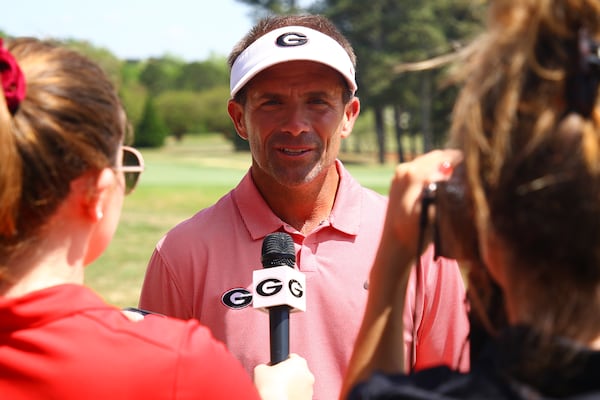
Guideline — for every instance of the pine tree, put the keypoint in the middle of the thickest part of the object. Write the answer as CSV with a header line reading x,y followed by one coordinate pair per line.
x,y
151,130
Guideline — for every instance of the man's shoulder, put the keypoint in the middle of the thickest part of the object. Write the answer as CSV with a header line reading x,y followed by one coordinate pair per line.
x,y
351,185
201,227
374,196
222,207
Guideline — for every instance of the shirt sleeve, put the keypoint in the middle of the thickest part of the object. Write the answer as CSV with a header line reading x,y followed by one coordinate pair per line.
x,y
442,335
161,293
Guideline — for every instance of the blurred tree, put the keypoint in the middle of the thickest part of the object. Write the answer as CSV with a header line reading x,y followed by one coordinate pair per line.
x,y
265,7
203,75
110,63
131,71
151,130
389,32
133,96
182,112
161,74
365,28
214,111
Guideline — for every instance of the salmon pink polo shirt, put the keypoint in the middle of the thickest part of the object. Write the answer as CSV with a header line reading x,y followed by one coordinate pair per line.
x,y
202,269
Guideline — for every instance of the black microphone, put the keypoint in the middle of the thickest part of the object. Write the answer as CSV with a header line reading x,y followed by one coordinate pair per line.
x,y
279,288
278,250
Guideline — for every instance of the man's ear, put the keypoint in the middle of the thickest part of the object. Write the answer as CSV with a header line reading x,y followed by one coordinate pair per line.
x,y
351,112
91,191
236,113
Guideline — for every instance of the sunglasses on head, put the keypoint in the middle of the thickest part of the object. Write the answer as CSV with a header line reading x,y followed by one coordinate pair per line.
x,y
132,165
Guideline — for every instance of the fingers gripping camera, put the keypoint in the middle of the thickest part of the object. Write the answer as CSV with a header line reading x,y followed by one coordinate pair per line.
x,y
454,233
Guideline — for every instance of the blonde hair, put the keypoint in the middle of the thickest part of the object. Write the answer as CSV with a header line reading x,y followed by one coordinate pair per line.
x,y
533,157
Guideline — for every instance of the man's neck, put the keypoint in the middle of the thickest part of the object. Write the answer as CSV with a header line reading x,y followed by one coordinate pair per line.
x,y
306,206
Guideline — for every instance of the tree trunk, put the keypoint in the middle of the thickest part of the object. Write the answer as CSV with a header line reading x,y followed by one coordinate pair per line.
x,y
426,112
380,131
399,129
413,142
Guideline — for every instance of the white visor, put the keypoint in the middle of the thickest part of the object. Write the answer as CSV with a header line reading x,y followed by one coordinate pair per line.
x,y
290,43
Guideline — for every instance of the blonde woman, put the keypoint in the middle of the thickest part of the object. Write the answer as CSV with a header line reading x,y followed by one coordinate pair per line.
x,y
526,129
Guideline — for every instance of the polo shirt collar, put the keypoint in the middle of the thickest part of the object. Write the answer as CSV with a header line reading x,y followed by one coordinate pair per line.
x,y
260,220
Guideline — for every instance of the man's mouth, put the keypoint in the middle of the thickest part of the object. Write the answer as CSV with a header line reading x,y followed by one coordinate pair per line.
x,y
293,152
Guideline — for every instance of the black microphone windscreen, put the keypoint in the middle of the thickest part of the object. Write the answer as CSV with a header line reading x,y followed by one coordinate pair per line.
x,y
278,250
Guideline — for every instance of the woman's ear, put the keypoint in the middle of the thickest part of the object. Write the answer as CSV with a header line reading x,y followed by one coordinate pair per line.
x,y
91,191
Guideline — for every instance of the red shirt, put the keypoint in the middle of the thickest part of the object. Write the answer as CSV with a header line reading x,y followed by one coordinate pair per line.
x,y
64,342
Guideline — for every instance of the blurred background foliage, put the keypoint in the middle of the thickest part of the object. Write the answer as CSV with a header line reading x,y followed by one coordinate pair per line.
x,y
402,113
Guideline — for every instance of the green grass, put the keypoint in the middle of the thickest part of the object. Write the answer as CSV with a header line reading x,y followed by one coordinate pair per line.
x,y
180,179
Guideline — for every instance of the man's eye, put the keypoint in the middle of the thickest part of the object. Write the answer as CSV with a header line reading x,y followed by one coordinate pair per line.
x,y
271,102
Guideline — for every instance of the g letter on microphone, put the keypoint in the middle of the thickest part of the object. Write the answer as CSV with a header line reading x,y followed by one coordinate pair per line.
x,y
278,286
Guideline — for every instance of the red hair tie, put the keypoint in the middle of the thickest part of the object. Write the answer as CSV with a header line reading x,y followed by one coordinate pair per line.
x,y
13,80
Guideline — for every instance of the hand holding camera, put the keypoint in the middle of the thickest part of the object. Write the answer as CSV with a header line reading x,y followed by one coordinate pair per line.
x,y
447,216
406,197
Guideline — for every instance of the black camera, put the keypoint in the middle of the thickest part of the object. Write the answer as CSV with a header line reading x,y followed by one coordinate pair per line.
x,y
454,233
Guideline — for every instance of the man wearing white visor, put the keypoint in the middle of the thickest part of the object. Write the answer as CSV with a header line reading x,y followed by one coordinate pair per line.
x,y
293,98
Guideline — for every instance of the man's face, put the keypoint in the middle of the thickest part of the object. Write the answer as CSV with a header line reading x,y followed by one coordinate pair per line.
x,y
294,119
